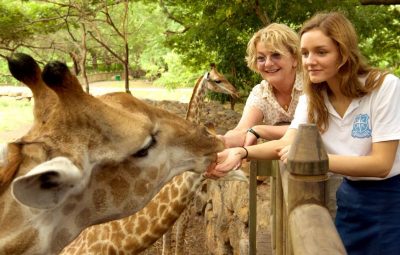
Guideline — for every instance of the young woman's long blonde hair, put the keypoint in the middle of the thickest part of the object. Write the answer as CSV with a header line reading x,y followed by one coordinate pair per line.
x,y
352,65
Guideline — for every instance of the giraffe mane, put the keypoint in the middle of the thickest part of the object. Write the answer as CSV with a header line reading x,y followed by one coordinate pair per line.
x,y
192,98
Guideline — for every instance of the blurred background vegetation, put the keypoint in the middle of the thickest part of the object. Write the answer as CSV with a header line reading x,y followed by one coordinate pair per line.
x,y
173,42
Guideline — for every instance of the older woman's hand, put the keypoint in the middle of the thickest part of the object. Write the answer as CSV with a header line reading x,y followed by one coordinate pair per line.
x,y
229,159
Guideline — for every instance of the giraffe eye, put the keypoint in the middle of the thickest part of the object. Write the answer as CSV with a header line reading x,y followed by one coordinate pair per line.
x,y
217,81
145,150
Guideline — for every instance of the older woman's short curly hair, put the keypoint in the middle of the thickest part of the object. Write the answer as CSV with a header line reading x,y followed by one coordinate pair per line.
x,y
279,38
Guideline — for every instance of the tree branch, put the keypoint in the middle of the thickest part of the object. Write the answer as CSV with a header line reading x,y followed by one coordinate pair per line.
x,y
263,16
105,46
378,2
173,18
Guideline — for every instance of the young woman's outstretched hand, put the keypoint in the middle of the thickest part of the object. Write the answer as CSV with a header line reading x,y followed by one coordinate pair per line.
x,y
229,159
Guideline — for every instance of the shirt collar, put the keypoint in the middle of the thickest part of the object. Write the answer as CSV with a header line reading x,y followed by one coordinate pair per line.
x,y
355,103
298,85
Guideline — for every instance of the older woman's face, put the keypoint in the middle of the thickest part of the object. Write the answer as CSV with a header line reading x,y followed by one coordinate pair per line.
x,y
320,57
274,67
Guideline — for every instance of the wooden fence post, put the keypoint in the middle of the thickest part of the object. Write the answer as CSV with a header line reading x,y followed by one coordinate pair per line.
x,y
257,168
308,167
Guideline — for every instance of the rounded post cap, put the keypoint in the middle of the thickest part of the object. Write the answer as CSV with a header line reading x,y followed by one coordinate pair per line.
x,y
307,155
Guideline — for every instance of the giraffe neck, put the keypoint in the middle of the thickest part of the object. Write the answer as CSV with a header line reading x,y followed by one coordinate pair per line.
x,y
35,231
39,231
196,102
138,231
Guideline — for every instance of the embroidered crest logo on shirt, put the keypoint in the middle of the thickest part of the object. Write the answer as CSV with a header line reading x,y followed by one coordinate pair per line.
x,y
361,127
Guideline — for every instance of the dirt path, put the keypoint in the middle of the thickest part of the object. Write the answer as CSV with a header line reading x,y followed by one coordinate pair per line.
x,y
14,134
140,89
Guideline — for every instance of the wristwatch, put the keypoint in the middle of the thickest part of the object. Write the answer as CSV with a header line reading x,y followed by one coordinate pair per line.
x,y
251,130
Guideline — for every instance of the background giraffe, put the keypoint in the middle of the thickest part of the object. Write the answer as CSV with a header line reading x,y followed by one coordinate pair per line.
x,y
166,207
82,163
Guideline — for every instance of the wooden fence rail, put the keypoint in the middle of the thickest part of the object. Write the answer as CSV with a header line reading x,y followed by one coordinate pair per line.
x,y
300,221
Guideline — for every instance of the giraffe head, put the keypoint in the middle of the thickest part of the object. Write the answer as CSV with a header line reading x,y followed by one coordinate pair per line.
x,y
214,81
87,160
218,83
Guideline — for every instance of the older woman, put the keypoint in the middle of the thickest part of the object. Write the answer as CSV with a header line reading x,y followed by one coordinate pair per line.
x,y
274,53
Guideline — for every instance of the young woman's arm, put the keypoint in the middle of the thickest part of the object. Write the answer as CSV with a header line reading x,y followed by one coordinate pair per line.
x,y
385,123
231,158
377,164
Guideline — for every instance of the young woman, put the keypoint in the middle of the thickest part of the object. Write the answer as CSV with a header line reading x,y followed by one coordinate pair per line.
x,y
273,52
355,108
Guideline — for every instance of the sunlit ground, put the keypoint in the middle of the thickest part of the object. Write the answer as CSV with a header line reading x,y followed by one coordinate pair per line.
x,y
16,115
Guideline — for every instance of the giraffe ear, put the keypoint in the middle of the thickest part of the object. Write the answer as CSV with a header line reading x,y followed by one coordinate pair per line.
x,y
48,184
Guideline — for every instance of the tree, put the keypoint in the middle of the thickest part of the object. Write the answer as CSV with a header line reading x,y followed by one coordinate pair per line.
x,y
123,38
377,2
71,16
20,23
221,29
17,28
136,33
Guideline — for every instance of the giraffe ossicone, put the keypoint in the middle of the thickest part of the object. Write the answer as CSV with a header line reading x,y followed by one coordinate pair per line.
x,y
87,160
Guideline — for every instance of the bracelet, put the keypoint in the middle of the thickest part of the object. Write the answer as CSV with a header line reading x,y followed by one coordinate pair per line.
x,y
247,152
251,130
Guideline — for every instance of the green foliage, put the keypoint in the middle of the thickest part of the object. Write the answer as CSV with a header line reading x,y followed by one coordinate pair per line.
x,y
175,41
379,29
176,76
219,30
146,43
19,22
12,24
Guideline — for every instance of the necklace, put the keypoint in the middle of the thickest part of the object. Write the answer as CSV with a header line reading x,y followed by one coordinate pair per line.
x,y
282,97
286,107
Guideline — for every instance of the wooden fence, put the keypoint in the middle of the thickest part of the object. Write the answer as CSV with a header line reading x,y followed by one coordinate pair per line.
x,y
300,221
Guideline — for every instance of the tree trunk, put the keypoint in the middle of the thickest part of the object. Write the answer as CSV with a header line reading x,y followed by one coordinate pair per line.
x,y
75,60
83,59
94,60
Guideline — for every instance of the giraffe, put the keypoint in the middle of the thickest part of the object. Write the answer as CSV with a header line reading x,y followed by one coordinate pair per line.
x,y
118,237
87,160
214,81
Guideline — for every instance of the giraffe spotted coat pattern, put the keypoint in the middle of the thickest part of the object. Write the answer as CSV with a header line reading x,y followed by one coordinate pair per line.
x,y
87,160
161,213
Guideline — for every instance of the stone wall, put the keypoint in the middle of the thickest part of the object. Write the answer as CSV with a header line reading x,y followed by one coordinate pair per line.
x,y
227,216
